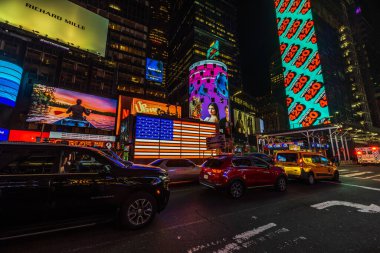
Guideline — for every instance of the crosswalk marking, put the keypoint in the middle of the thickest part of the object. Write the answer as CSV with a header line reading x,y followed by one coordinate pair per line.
x,y
349,172
357,174
370,177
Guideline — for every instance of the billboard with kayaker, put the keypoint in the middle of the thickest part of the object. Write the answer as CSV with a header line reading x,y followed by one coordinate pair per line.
x,y
62,107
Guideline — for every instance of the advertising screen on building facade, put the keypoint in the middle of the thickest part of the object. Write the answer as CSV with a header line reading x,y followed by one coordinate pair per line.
x,y
304,84
154,70
57,106
132,106
4,133
58,20
244,123
208,91
10,79
157,137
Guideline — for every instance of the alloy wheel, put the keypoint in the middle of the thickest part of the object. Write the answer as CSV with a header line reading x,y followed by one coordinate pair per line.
x,y
281,184
311,179
236,190
139,212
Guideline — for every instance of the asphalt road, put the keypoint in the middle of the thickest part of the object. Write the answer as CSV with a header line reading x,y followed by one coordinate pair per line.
x,y
197,219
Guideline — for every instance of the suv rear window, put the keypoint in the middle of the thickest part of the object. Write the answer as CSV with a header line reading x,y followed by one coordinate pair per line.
x,y
287,157
213,163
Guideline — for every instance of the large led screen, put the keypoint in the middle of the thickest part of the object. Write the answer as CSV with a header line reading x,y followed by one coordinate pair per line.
x,y
57,106
10,79
154,70
244,123
208,90
304,84
59,20
157,137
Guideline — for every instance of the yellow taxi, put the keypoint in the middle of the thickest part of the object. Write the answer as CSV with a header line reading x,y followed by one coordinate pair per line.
x,y
306,165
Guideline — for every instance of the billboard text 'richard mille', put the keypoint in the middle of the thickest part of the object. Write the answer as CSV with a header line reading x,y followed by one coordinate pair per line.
x,y
305,91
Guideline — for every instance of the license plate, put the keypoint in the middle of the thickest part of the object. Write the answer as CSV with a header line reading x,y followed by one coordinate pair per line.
x,y
205,176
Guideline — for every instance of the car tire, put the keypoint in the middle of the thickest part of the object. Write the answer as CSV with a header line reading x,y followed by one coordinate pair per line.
x,y
310,179
281,184
336,176
138,211
236,189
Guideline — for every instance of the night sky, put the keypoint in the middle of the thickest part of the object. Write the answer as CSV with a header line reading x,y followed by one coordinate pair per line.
x,y
258,40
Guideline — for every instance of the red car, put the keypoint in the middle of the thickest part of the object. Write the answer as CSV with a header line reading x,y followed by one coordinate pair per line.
x,y
236,174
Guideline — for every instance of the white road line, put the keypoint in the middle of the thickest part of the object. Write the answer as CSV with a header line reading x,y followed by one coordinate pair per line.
x,y
247,235
361,208
238,240
370,177
357,174
349,172
354,185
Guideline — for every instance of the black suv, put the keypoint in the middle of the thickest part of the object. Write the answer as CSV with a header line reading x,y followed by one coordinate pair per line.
x,y
45,186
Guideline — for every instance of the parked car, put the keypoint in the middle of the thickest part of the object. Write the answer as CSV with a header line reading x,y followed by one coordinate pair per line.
x,y
178,169
45,186
306,165
262,156
236,174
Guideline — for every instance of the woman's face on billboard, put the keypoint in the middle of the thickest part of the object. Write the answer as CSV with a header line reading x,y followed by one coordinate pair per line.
x,y
211,110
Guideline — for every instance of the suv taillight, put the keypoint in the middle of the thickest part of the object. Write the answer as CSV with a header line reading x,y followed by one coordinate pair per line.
x,y
217,171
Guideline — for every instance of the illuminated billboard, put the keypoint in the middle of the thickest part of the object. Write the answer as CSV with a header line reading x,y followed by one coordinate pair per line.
x,y
4,133
154,70
10,79
70,108
208,91
132,106
157,137
244,123
305,90
59,20
213,51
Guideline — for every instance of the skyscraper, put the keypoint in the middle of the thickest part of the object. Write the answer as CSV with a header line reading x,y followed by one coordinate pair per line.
x,y
158,42
196,25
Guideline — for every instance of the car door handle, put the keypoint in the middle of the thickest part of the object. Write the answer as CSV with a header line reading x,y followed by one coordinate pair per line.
x,y
266,172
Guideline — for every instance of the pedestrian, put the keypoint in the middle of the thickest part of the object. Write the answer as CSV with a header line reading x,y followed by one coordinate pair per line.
x,y
336,160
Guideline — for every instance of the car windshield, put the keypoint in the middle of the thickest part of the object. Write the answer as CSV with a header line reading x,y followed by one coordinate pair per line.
x,y
287,157
156,163
119,162
213,163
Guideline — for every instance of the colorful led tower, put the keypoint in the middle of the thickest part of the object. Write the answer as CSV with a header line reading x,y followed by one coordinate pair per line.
x,y
305,91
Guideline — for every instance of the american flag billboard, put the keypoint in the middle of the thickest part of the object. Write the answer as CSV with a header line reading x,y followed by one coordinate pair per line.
x,y
157,137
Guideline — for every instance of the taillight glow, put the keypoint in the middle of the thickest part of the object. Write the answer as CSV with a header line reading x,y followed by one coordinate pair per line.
x,y
216,171
359,153
374,148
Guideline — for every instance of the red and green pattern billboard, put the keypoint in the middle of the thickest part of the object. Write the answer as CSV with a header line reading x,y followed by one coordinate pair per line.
x,y
305,90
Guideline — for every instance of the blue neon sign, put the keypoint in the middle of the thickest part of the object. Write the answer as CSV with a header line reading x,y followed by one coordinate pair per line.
x,y
10,79
4,133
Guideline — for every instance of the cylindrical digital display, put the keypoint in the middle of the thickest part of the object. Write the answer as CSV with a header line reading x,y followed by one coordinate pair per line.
x,y
208,90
